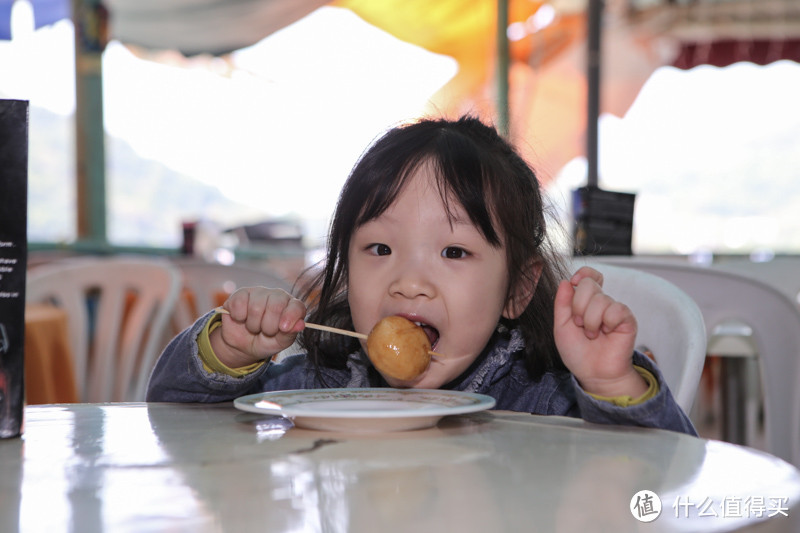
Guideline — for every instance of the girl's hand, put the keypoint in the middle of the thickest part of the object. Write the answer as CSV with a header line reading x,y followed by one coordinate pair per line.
x,y
595,336
261,323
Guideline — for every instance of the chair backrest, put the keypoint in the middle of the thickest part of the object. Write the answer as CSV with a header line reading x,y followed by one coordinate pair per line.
x,y
206,284
775,322
118,310
782,273
670,325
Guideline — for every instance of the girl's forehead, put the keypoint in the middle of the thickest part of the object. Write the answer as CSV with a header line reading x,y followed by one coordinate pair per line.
x,y
425,186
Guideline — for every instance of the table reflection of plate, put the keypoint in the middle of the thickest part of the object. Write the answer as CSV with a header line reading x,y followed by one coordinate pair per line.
x,y
365,410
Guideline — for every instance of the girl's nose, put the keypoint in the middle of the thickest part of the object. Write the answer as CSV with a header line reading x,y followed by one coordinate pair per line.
x,y
412,281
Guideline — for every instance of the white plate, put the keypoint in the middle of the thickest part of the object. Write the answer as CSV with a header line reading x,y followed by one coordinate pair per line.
x,y
365,410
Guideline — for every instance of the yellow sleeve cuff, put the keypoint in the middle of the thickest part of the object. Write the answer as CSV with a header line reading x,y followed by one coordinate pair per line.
x,y
627,401
209,359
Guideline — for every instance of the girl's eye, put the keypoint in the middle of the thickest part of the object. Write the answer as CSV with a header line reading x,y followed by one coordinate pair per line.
x,y
380,249
454,252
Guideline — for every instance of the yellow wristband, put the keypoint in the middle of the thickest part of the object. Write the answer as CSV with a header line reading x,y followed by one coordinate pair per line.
x,y
627,401
209,359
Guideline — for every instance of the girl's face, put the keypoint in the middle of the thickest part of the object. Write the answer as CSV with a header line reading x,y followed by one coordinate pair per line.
x,y
416,262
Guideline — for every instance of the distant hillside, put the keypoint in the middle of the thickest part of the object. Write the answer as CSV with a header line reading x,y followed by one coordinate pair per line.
x,y
146,200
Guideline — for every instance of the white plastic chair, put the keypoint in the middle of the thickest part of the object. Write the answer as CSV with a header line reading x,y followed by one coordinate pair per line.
x,y
118,310
724,297
736,343
207,281
670,325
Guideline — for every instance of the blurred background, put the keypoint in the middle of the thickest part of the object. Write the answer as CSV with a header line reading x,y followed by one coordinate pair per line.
x,y
223,130
234,124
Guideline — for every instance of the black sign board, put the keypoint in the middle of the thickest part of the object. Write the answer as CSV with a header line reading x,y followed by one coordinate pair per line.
x,y
603,221
13,260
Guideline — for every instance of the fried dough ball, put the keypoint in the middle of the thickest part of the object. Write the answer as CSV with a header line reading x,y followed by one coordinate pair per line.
x,y
399,348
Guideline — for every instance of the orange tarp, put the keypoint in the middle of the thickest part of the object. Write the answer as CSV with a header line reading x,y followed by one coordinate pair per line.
x,y
547,71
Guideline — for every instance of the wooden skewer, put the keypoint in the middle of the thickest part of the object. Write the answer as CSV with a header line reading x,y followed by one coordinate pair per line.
x,y
315,326
330,329
336,330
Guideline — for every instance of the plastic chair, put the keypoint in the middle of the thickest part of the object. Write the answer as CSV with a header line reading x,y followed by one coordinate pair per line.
x,y
206,285
118,310
724,297
735,340
670,325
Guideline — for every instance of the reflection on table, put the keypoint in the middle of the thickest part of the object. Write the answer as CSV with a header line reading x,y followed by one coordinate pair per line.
x,y
163,467
49,372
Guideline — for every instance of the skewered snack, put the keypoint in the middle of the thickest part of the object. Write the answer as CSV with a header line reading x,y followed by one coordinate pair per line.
x,y
399,348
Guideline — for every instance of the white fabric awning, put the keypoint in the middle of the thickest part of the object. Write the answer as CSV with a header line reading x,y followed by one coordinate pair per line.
x,y
189,26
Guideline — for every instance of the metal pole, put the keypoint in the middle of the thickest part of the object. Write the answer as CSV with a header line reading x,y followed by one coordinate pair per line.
x,y
90,20
593,90
502,68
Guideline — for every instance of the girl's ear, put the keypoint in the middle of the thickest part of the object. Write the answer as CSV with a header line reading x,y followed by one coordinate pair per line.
x,y
522,294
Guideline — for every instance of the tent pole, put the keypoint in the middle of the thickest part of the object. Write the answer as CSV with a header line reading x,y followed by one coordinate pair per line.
x,y
90,20
502,68
593,89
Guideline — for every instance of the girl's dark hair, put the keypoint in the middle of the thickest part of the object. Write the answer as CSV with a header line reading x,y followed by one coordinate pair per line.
x,y
498,190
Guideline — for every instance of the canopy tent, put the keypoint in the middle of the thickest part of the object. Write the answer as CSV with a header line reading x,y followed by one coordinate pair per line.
x,y
763,30
547,90
547,53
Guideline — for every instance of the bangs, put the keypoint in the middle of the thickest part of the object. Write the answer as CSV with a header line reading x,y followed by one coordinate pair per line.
x,y
383,187
461,176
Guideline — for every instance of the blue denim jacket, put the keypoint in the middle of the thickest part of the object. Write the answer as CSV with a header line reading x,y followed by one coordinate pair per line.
x,y
499,372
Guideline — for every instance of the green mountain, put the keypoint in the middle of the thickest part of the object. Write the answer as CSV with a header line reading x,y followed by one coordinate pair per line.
x,y
147,201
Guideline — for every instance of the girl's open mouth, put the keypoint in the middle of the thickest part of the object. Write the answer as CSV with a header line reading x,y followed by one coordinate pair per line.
x,y
431,332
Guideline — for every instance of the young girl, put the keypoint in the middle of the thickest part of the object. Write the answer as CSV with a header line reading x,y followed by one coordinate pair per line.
x,y
441,222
